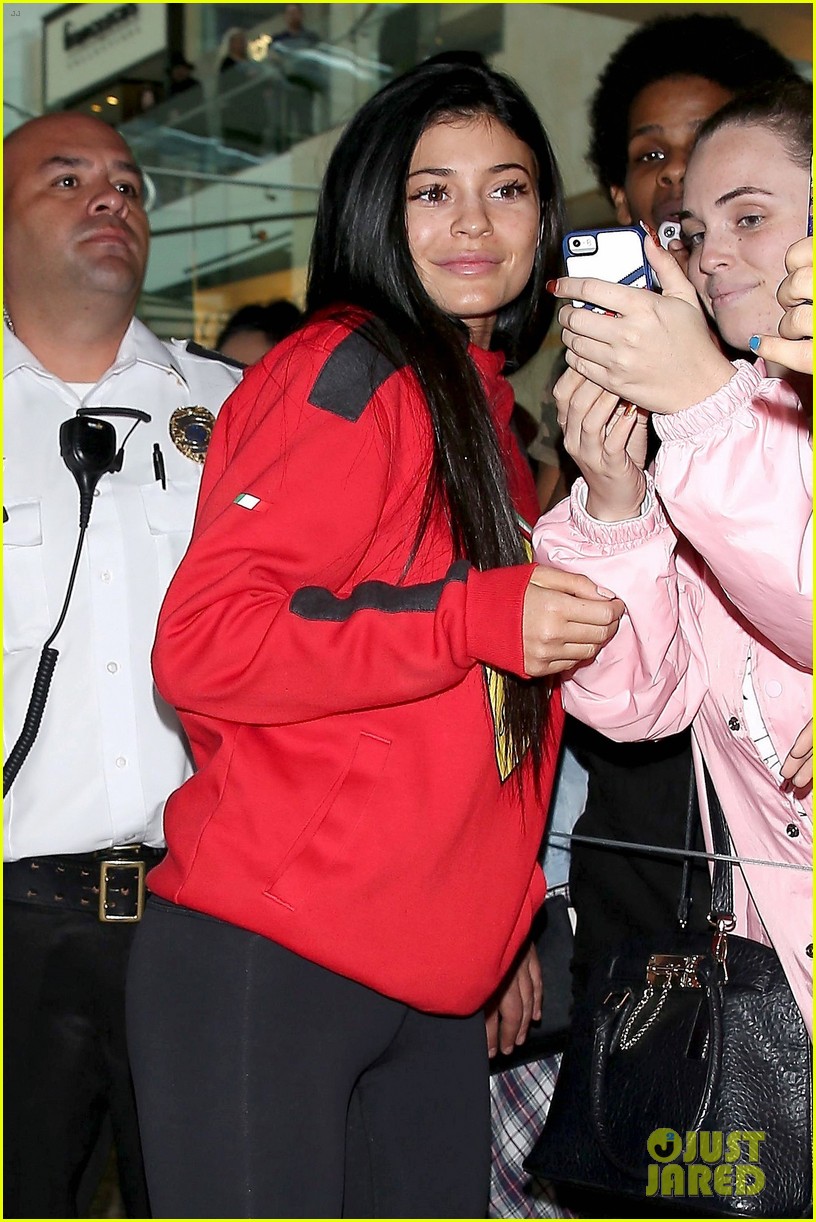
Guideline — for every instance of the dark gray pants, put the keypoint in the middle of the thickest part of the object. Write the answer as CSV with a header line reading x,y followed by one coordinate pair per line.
x,y
65,1060
269,1087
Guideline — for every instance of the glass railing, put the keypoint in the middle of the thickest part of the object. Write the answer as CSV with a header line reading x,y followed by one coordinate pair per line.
x,y
232,204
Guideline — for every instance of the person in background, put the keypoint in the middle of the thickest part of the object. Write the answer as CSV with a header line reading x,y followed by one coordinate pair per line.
x,y
713,553
109,751
253,329
240,94
352,636
652,96
181,74
555,470
304,76
233,49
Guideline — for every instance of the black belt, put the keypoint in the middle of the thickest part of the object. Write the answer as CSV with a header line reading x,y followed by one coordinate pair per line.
x,y
110,883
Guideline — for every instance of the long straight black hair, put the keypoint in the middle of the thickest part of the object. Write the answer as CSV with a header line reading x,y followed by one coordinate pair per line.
x,y
360,256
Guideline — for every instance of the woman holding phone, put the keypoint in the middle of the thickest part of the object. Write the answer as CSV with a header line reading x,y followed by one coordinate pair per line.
x,y
712,553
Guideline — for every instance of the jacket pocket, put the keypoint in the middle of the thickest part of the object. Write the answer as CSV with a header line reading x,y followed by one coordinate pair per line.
x,y
169,514
26,622
323,842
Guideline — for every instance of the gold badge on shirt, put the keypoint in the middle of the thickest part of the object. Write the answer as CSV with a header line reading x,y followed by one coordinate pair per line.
x,y
190,431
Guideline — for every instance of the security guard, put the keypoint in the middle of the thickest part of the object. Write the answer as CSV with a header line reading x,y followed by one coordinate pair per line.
x,y
83,807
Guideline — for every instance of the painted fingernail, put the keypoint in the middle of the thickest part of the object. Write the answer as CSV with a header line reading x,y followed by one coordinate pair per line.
x,y
651,232
753,343
551,286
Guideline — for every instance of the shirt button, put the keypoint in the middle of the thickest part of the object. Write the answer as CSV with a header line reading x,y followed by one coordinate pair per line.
x,y
792,830
96,492
105,576
773,688
112,667
733,723
120,761
809,950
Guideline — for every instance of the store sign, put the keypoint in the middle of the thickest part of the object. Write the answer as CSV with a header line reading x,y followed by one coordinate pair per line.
x,y
90,43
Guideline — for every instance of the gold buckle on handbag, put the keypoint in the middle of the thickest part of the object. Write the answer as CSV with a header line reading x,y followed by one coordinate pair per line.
x,y
674,969
138,868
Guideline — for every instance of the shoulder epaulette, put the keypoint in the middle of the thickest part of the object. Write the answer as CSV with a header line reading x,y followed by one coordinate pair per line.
x,y
351,375
211,355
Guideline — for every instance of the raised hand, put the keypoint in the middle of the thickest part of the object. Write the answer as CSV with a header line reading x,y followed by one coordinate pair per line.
x,y
793,347
607,439
798,766
656,351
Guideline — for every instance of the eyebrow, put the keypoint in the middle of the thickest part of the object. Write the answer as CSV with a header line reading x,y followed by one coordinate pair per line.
x,y
650,129
729,195
444,172
60,160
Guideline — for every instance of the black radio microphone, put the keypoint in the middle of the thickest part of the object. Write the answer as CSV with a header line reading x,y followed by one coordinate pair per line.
x,y
134,413
88,449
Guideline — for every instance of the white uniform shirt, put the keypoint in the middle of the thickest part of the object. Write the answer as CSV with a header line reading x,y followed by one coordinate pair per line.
x,y
109,751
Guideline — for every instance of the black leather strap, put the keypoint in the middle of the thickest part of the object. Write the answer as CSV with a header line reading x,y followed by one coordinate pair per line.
x,y
722,884
692,818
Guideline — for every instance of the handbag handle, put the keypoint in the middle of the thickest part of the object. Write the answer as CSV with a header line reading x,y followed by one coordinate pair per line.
x,y
692,820
722,880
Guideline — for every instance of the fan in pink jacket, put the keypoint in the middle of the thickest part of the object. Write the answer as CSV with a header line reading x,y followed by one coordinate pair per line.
x,y
712,553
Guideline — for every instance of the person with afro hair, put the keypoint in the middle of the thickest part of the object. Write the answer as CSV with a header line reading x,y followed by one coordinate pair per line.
x,y
654,93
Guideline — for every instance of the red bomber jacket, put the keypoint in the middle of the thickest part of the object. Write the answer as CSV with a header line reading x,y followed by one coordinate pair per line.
x,y
348,801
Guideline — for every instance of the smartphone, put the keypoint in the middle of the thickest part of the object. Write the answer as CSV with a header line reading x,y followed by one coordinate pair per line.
x,y
667,232
614,255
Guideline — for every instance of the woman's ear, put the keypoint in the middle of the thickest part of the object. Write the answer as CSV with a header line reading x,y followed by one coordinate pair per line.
x,y
619,203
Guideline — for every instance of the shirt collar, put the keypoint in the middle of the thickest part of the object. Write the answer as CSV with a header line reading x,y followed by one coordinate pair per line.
x,y
139,344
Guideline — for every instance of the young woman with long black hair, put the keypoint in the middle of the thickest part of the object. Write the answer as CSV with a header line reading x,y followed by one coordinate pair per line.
x,y
351,642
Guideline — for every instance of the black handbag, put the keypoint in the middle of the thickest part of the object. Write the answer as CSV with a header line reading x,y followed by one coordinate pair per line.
x,y
687,1076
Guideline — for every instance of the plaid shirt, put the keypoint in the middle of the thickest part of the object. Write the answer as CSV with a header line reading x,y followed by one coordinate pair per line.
x,y
519,1101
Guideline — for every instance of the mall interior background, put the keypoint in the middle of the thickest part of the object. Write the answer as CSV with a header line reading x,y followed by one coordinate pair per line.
x,y
234,159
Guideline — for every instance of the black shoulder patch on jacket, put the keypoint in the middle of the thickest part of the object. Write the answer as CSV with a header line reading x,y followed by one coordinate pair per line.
x,y
350,376
316,603
211,355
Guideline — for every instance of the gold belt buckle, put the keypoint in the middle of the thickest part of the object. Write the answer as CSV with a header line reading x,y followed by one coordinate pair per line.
x,y
138,879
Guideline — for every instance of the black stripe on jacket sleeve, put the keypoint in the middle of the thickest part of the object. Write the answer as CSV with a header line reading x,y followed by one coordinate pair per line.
x,y
315,603
350,376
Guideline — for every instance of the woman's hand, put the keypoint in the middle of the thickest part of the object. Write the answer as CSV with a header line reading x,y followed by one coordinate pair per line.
x,y
567,619
518,1003
607,439
794,349
798,766
655,351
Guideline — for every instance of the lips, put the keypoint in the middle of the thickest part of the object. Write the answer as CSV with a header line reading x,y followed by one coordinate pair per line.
x,y
469,264
668,210
725,295
108,233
